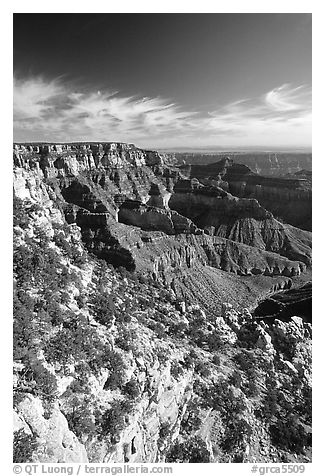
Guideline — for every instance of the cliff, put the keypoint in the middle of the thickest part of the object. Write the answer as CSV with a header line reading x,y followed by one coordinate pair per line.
x,y
263,163
288,198
131,338
239,219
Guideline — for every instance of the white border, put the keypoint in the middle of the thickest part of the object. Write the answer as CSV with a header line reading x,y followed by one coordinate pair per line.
x,y
167,6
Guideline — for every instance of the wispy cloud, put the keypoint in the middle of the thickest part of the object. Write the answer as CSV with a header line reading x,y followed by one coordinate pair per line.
x,y
286,98
55,111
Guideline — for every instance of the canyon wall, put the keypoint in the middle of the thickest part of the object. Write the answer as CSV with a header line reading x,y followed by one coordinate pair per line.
x,y
133,336
289,198
267,163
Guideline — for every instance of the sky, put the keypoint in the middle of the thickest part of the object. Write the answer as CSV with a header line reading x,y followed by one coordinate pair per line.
x,y
164,80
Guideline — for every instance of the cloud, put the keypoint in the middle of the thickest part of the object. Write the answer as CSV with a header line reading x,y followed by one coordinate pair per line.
x,y
52,110
285,98
281,116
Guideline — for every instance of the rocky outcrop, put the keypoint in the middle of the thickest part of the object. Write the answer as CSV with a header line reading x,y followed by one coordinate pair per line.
x,y
113,208
159,363
271,164
155,219
288,198
55,442
162,407
286,304
76,157
239,219
163,255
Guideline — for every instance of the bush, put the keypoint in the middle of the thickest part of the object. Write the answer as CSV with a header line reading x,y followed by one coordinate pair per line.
x,y
19,212
132,389
46,383
222,398
23,447
237,432
202,368
216,360
289,434
158,328
189,362
164,431
77,341
192,422
235,379
80,419
251,389
176,370
163,355
191,451
103,308
115,419
127,339
114,362
23,329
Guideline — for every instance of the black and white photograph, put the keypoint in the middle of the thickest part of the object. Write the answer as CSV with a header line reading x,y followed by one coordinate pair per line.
x,y
162,235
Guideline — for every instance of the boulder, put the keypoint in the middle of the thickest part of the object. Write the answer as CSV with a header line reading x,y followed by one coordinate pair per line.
x,y
57,443
264,340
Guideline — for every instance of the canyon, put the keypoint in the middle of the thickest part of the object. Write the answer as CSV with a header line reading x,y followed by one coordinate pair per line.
x,y
263,163
161,265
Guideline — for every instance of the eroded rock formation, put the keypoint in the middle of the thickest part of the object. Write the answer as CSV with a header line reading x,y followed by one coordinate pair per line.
x,y
288,197
153,359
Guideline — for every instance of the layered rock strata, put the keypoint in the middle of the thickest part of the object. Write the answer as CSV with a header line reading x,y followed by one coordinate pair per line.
x,y
288,198
152,219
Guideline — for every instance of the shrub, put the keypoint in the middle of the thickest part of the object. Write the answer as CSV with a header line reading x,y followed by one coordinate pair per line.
x,y
46,383
23,447
203,368
188,361
80,419
115,419
176,369
191,451
251,389
23,329
19,212
235,379
132,388
221,397
164,430
215,341
192,422
158,328
237,432
127,339
78,342
216,360
163,355
289,434
114,362
270,405
178,328
103,308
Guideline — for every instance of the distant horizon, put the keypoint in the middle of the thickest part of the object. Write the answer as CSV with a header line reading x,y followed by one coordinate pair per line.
x,y
207,149
171,81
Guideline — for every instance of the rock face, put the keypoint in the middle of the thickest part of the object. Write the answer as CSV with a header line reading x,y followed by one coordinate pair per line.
x,y
288,198
151,218
286,304
261,163
239,219
132,338
155,219
56,442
